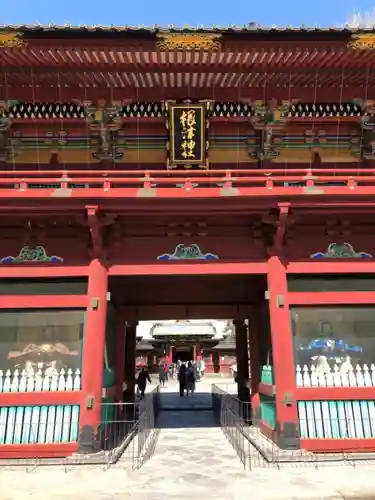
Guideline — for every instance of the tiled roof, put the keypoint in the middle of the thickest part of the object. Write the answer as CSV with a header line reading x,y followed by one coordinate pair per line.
x,y
247,28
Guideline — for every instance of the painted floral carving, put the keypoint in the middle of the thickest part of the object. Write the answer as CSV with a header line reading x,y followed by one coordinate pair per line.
x,y
187,252
31,254
341,251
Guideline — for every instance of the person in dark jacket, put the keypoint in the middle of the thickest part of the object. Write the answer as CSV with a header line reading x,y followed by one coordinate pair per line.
x,y
162,377
190,379
142,380
182,378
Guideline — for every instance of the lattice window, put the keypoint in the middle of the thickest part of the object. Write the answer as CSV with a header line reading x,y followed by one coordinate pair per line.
x,y
323,109
45,110
142,110
232,109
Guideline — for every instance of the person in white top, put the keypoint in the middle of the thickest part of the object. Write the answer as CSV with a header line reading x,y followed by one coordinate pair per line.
x,y
234,371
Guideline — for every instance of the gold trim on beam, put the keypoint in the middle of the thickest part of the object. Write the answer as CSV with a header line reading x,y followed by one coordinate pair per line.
x,y
364,41
11,39
187,41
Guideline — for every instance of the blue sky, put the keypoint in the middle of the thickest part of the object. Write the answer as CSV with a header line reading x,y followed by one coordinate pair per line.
x,y
191,12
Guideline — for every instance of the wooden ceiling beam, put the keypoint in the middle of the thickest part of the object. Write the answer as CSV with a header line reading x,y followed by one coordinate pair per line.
x,y
28,93
368,68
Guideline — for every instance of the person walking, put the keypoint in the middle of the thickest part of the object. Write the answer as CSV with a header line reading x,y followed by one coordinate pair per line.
x,y
166,371
161,375
202,367
190,379
142,380
182,379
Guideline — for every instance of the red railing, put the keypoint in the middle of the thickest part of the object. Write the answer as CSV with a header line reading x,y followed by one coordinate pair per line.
x,y
249,181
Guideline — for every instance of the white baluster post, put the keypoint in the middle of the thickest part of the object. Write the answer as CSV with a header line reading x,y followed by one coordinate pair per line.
x,y
69,381
77,380
359,375
299,378
15,381
367,376
372,368
336,376
306,377
61,385
23,382
314,377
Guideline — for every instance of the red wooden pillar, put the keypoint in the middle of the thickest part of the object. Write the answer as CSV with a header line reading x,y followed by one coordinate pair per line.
x,y
255,368
93,357
242,353
129,372
168,355
199,352
120,351
283,356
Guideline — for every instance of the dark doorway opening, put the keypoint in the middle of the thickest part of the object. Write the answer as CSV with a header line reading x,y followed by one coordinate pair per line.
x,y
182,353
183,298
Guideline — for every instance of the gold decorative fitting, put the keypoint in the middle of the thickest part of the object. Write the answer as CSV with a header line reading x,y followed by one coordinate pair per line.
x,y
11,39
363,42
184,41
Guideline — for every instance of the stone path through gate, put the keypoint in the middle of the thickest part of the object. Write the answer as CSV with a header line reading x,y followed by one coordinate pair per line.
x,y
192,455
192,459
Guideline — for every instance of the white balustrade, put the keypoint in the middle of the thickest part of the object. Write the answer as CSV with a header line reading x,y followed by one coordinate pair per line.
x,y
29,381
345,375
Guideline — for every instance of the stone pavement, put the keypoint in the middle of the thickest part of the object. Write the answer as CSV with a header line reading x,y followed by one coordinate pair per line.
x,y
192,458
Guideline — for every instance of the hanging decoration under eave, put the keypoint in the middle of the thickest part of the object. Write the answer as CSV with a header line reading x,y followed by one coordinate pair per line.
x,y
188,41
362,41
187,124
11,39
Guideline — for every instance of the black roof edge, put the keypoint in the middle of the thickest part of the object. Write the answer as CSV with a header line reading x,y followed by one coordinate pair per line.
x,y
246,32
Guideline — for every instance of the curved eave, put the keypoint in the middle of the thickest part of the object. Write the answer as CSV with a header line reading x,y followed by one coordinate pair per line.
x,y
247,30
125,55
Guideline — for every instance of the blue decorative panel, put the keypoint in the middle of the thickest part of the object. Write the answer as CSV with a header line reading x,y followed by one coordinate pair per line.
x,y
337,419
39,424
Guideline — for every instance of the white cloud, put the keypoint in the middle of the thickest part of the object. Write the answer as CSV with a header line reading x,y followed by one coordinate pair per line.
x,y
362,20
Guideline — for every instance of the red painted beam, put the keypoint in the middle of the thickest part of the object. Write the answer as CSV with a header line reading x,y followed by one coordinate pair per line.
x,y
346,445
331,267
35,451
297,173
262,178
41,398
42,301
330,298
171,193
193,268
188,311
334,393
42,271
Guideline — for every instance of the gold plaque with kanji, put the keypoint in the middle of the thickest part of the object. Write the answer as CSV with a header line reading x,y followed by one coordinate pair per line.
x,y
187,130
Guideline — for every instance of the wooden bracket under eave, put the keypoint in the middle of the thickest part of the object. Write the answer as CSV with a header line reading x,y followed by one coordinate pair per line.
x,y
284,212
95,232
